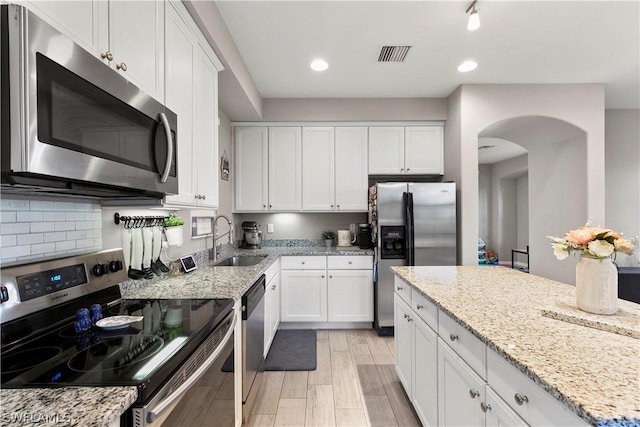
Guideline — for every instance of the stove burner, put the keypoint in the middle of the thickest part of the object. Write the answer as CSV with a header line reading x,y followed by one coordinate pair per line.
x,y
109,354
25,359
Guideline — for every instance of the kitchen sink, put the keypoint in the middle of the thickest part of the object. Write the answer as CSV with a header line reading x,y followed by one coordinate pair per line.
x,y
240,261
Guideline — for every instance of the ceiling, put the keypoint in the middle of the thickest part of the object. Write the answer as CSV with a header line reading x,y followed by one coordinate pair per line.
x,y
518,42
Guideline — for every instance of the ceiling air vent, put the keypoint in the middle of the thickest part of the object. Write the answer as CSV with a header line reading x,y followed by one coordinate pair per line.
x,y
393,53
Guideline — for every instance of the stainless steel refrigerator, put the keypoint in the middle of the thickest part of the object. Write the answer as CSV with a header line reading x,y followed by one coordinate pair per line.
x,y
412,224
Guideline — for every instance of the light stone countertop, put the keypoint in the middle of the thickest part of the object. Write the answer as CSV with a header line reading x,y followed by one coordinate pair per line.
x,y
595,373
100,406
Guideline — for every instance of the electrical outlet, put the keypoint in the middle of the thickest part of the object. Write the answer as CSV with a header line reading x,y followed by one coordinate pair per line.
x,y
269,228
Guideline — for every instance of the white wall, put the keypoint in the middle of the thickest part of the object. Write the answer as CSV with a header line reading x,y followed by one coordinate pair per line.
x,y
484,203
622,174
453,171
522,215
480,106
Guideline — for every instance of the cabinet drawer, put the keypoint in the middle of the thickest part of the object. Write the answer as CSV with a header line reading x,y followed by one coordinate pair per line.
x,y
303,262
530,401
403,289
463,342
424,308
348,262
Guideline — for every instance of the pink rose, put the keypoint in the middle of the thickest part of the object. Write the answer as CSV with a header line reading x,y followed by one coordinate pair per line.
x,y
581,236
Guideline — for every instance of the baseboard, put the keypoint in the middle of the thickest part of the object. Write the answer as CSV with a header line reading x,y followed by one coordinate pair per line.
x,y
325,325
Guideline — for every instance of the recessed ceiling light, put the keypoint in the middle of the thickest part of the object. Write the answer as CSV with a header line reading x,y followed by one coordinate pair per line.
x,y
467,66
319,64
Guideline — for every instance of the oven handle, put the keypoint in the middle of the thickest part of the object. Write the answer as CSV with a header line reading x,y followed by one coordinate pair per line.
x,y
167,165
168,401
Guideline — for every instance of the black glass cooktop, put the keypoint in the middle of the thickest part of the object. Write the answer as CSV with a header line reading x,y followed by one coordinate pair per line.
x,y
143,354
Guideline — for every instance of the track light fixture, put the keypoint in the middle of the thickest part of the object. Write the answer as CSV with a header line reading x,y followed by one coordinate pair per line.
x,y
474,19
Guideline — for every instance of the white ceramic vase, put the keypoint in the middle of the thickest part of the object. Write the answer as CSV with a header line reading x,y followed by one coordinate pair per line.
x,y
174,235
597,285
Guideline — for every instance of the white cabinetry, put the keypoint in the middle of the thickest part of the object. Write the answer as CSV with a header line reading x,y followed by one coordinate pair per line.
x,y
268,172
127,35
271,305
403,342
191,92
311,293
412,150
498,413
334,169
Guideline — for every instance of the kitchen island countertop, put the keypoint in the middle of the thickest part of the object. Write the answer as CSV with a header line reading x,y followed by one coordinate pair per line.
x,y
595,373
102,406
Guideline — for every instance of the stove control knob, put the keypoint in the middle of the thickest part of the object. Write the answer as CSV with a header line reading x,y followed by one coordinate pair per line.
x,y
115,266
100,269
4,294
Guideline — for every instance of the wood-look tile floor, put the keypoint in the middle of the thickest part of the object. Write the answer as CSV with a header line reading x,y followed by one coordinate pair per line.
x,y
354,384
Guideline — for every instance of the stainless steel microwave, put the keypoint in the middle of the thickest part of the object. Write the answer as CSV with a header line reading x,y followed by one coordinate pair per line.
x,y
73,126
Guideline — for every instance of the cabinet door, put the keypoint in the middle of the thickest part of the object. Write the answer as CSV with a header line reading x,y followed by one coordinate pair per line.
x,y
303,296
351,169
350,296
498,413
423,153
425,373
318,169
205,123
136,30
386,150
250,158
180,55
285,169
85,22
271,311
460,390
403,341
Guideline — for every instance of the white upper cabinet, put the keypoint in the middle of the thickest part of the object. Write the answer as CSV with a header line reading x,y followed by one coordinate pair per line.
x,y
192,93
410,150
351,177
285,169
334,169
127,35
136,41
318,185
251,165
386,150
423,150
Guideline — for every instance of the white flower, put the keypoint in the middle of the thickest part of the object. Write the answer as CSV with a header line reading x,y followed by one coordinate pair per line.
x,y
601,248
560,251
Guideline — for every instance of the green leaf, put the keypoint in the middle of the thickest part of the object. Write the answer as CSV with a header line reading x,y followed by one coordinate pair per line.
x,y
600,236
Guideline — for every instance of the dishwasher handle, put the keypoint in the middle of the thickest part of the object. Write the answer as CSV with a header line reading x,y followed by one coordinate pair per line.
x,y
154,413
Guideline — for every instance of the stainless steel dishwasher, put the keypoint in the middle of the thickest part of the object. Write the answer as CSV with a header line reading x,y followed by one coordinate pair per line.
x,y
252,344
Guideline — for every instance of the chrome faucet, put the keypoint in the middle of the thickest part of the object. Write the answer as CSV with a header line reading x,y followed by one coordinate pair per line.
x,y
215,250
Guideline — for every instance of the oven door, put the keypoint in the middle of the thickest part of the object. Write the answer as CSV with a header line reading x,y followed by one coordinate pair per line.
x,y
203,369
73,118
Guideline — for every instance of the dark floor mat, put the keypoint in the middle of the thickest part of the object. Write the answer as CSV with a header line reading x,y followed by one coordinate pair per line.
x,y
292,350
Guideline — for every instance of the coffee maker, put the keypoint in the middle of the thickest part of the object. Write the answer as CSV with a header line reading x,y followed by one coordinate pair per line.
x,y
363,236
251,235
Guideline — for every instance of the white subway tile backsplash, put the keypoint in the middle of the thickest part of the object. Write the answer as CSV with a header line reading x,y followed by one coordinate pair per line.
x,y
43,227
6,216
33,230
41,205
54,216
30,239
15,251
55,237
14,228
14,205
29,216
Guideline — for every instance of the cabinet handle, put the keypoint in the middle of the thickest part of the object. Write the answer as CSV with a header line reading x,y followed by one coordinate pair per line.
x,y
401,169
122,66
323,276
409,319
520,399
350,262
264,206
107,55
474,393
453,337
406,315
270,206
273,287
408,169
330,277
419,306
399,288
331,205
204,196
302,262
338,206
485,407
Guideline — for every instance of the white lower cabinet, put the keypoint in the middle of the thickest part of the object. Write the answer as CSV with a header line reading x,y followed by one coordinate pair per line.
x,y
425,373
271,306
403,332
460,390
498,413
326,289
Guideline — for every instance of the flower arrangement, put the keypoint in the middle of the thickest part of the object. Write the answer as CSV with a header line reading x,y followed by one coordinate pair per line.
x,y
594,242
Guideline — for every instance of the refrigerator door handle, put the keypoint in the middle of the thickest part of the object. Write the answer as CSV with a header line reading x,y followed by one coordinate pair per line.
x,y
407,199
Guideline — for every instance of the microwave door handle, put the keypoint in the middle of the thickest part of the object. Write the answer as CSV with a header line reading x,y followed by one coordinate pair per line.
x,y
169,400
167,165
